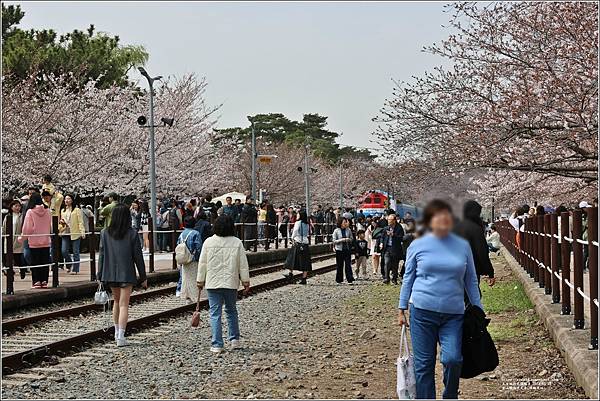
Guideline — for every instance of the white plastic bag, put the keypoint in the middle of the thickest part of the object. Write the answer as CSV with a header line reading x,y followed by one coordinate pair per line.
x,y
406,384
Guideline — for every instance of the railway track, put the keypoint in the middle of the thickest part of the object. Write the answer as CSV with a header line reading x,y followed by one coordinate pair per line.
x,y
10,326
49,335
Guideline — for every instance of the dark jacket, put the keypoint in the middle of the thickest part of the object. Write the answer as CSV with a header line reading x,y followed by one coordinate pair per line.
x,y
119,259
471,228
204,228
249,214
478,349
397,237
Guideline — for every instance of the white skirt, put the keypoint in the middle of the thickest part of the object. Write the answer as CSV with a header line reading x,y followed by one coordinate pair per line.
x,y
189,289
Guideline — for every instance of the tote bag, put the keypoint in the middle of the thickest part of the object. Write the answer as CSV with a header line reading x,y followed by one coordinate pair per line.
x,y
406,384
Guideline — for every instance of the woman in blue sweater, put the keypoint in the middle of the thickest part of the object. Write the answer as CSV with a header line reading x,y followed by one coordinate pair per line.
x,y
439,269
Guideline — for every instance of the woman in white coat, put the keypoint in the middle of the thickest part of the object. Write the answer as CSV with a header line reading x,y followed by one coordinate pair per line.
x,y
223,264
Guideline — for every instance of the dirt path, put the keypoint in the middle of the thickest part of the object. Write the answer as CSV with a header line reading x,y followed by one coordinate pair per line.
x,y
353,347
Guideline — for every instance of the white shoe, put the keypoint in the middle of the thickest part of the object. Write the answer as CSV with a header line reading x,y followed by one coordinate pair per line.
x,y
216,350
122,342
236,344
177,294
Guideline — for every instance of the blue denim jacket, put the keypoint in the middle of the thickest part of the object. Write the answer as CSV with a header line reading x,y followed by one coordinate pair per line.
x,y
193,242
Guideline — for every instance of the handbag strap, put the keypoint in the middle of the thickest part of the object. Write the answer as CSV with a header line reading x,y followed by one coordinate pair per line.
x,y
403,341
198,303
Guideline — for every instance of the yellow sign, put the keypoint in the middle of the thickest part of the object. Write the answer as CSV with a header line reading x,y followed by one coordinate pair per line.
x,y
265,159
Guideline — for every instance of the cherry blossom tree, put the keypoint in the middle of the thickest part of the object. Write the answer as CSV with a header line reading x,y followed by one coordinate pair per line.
x,y
89,140
519,101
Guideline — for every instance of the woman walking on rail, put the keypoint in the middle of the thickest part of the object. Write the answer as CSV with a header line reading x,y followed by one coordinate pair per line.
x,y
342,243
299,255
439,269
37,229
120,256
223,264
189,271
72,231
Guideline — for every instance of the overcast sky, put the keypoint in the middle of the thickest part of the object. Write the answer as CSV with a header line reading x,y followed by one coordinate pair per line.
x,y
336,59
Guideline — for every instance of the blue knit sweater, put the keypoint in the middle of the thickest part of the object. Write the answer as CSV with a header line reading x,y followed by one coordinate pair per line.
x,y
437,273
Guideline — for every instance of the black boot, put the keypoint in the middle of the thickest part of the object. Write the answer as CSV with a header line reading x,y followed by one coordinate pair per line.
x,y
302,281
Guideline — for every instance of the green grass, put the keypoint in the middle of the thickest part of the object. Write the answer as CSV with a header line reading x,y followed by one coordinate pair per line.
x,y
517,327
505,297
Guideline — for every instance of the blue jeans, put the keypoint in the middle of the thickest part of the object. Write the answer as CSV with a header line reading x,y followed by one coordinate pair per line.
x,y
180,281
67,243
427,328
216,299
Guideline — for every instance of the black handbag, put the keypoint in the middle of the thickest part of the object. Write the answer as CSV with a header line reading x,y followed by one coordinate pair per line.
x,y
478,349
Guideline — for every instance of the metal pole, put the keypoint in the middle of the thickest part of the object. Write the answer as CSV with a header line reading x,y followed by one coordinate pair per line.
x,y
341,191
306,180
493,209
253,162
153,205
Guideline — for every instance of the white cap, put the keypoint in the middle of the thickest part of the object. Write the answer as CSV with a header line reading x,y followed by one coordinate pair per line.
x,y
583,205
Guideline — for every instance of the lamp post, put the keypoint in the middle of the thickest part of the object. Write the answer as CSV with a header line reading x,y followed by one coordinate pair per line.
x,y
253,161
152,156
307,178
341,190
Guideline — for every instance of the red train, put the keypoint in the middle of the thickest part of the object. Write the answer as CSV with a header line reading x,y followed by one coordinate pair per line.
x,y
375,202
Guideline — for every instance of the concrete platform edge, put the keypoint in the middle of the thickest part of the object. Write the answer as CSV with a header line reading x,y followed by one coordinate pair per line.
x,y
571,343
76,290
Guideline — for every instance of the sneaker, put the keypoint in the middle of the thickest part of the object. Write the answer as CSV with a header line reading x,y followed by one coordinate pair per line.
x,y
44,284
236,344
122,342
216,350
350,282
177,294
37,284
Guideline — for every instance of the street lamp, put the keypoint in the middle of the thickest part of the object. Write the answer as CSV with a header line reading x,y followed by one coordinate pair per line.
x,y
153,206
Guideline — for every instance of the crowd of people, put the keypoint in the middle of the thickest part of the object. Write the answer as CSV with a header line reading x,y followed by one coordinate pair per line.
x,y
439,259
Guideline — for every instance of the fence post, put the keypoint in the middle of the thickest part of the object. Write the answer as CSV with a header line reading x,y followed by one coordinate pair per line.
x,y
151,243
540,257
92,246
534,253
532,240
56,251
592,219
555,261
243,236
565,263
255,236
579,319
10,256
547,255
527,247
173,245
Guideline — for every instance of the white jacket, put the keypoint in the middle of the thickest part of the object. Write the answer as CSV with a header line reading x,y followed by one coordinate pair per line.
x,y
223,263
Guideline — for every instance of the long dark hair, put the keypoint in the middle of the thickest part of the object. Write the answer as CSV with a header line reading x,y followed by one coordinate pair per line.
x,y
120,222
34,200
73,205
303,217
